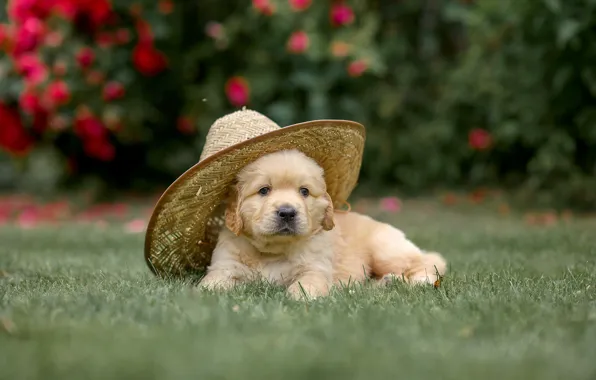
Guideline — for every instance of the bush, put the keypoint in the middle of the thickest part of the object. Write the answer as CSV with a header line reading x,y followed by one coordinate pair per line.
x,y
454,93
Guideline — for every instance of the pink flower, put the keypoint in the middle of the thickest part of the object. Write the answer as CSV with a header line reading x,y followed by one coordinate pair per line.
x,y
85,57
214,30
22,10
28,37
479,139
264,7
298,42
237,91
33,70
29,218
58,93
390,204
357,68
341,14
299,5
113,90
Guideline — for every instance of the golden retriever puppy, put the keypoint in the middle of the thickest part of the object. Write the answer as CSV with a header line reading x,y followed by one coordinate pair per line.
x,y
281,226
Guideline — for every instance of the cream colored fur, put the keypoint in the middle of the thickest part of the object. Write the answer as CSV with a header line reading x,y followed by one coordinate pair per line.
x,y
327,248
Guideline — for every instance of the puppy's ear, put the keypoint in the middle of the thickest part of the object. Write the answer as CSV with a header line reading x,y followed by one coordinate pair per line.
x,y
233,219
328,223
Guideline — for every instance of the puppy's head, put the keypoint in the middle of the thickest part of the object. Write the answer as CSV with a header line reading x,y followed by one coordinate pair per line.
x,y
281,196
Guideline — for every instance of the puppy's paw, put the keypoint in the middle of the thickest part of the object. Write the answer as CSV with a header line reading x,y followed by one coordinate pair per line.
x,y
422,278
302,290
213,281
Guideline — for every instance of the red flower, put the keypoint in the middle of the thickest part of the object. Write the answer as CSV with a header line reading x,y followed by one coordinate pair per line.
x,y
148,60
22,10
94,134
299,5
144,31
67,9
298,42
341,14
237,91
357,68
13,136
166,6
33,70
58,93
113,91
100,149
85,57
264,7
28,36
479,139
29,102
185,125
88,127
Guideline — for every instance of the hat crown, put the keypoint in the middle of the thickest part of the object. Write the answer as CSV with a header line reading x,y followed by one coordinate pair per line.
x,y
235,128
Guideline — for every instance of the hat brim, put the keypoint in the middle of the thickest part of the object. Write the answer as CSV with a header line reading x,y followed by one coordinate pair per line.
x,y
182,230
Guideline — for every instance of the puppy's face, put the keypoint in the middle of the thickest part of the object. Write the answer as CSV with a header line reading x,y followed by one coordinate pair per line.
x,y
281,196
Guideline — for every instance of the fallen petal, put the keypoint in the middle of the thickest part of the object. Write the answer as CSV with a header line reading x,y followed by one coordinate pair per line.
x,y
136,226
390,204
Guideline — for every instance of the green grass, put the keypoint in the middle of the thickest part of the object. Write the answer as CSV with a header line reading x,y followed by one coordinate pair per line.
x,y
519,302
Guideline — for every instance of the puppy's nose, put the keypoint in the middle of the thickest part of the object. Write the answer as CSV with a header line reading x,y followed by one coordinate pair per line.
x,y
286,213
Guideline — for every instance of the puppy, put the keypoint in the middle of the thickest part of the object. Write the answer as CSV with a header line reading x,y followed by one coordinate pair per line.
x,y
281,226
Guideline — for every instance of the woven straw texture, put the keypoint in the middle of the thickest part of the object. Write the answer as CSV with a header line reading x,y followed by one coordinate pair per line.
x,y
183,229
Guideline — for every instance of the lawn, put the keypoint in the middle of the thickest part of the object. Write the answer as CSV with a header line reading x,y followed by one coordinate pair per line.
x,y
519,302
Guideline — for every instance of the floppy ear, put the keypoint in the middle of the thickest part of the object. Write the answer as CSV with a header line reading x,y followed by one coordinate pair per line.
x,y
328,223
233,219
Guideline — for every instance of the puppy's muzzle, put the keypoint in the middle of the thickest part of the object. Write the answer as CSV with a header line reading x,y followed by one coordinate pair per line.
x,y
286,220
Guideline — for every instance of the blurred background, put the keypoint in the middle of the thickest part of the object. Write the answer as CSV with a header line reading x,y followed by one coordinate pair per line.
x,y
116,96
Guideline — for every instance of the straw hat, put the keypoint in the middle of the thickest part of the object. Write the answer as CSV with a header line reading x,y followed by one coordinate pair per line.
x,y
183,228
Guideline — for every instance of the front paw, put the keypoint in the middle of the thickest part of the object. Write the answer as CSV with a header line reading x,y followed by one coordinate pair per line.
x,y
213,281
304,290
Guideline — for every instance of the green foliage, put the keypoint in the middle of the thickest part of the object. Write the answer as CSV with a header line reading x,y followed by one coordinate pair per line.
x,y
431,73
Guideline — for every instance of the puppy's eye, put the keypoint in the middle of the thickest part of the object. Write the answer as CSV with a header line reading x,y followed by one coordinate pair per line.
x,y
304,191
264,190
